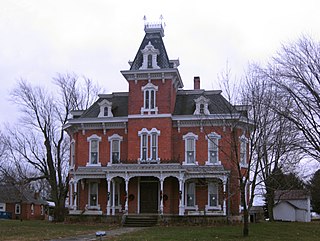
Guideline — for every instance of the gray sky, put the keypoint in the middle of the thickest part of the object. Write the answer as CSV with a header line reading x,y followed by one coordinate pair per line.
x,y
96,38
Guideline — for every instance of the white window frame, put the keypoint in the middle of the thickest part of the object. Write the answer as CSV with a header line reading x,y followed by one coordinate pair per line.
x,y
151,101
41,209
17,208
94,137
216,195
150,135
72,153
103,105
32,209
213,139
2,207
97,206
190,136
202,106
112,139
188,195
243,151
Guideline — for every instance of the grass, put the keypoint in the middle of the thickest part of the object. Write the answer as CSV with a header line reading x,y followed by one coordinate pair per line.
x,y
260,232
43,230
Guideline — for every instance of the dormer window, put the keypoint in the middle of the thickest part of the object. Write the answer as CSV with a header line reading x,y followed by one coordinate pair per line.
x,y
150,57
202,105
149,102
105,109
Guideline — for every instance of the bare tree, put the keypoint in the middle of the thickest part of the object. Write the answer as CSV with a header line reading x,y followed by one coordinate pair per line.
x,y
40,141
273,141
295,72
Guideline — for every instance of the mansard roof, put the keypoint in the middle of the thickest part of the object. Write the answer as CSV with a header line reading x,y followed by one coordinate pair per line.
x,y
155,38
185,102
119,105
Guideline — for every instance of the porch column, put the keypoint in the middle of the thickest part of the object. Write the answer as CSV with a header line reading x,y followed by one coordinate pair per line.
x,y
181,197
70,194
127,191
224,196
108,196
113,197
161,195
75,189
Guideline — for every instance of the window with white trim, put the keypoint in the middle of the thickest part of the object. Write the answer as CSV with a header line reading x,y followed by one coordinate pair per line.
x,y
243,150
213,194
94,141
191,194
17,208
42,210
190,148
202,106
93,194
72,154
32,209
115,141
213,149
105,109
149,144
149,99
2,207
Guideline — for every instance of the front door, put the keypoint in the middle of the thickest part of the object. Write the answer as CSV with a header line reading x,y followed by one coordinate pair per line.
x,y
149,197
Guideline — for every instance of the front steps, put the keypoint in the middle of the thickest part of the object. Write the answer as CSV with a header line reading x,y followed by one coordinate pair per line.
x,y
140,220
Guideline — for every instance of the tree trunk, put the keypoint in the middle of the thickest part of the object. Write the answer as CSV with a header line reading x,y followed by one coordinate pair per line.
x,y
245,222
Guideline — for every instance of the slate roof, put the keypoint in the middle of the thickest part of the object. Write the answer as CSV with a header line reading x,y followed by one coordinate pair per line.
x,y
119,106
185,104
156,40
12,194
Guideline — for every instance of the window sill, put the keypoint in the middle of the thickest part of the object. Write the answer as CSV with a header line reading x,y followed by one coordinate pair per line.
x,y
93,165
213,208
157,161
195,207
213,164
244,165
190,164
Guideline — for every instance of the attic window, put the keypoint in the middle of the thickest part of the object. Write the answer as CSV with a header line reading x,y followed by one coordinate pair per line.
x,y
105,109
202,106
149,54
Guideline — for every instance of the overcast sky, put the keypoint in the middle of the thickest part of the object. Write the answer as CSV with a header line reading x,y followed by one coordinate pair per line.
x,y
97,38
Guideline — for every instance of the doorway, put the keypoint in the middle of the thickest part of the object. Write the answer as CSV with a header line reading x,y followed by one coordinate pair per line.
x,y
149,195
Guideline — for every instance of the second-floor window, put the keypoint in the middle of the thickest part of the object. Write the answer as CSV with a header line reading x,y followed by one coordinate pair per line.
x,y
243,150
213,148
115,141
190,148
72,153
94,149
149,144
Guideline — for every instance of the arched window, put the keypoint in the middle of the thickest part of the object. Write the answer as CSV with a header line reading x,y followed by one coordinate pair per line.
x,y
149,61
149,102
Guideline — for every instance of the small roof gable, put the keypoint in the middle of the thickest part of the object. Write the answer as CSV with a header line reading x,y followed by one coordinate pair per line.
x,y
185,102
119,105
155,39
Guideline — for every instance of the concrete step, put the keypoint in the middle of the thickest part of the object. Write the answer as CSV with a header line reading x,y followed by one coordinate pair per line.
x,y
140,220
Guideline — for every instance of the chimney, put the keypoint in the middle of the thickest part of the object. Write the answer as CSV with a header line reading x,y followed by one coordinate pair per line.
x,y
196,82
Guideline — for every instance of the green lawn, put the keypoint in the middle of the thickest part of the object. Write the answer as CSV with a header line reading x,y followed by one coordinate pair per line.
x,y
259,232
43,230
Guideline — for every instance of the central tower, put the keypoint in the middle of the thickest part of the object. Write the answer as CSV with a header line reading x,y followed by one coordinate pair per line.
x,y
153,84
